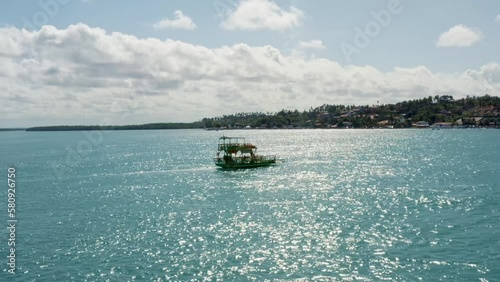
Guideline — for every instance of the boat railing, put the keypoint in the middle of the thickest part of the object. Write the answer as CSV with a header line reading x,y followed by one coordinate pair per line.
x,y
223,146
266,157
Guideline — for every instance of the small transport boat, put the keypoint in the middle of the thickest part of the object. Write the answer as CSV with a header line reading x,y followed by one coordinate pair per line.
x,y
234,152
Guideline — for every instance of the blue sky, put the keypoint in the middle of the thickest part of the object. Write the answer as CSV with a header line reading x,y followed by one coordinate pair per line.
x,y
426,44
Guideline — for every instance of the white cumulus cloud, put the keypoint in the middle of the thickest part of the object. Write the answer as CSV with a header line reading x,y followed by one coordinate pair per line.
x,y
84,75
497,19
262,14
180,21
459,36
313,44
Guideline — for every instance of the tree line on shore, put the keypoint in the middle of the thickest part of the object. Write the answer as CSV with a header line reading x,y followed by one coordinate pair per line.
x,y
469,111
149,126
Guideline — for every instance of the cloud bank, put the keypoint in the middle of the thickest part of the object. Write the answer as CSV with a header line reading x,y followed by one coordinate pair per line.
x,y
82,75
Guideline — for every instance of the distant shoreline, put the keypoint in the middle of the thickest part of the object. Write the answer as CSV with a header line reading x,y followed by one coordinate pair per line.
x,y
13,129
118,128
439,112
149,126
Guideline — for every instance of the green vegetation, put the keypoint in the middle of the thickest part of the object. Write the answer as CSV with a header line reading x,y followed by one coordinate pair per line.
x,y
12,129
149,126
470,111
477,111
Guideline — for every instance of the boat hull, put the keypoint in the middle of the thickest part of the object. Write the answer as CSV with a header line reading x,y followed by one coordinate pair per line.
x,y
241,165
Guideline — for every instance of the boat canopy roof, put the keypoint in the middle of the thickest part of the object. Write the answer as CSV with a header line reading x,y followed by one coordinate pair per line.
x,y
235,144
231,140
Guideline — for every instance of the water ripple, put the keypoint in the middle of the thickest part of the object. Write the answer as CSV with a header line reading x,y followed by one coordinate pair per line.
x,y
347,205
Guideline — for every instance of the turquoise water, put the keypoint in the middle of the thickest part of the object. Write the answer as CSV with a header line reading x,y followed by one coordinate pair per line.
x,y
403,205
